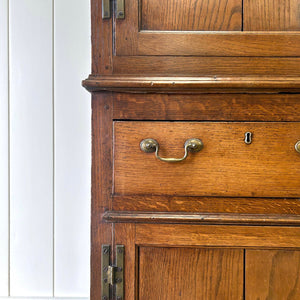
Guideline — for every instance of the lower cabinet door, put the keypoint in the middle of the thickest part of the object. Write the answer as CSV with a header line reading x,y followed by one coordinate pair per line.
x,y
209,262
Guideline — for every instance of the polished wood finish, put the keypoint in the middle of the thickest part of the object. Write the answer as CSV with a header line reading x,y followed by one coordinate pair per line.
x,y
200,218
272,274
101,184
213,205
207,107
268,167
224,15
218,236
224,224
271,15
184,273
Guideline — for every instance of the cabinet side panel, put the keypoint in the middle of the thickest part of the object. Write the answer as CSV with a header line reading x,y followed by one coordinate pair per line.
x,y
101,233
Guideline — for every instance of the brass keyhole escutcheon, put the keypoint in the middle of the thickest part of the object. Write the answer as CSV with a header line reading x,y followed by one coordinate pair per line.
x,y
248,138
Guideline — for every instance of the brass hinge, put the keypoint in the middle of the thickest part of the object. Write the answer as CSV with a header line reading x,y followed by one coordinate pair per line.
x,y
112,276
120,9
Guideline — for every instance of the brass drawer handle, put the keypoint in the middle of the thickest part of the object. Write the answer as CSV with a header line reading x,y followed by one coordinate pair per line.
x,y
191,145
297,147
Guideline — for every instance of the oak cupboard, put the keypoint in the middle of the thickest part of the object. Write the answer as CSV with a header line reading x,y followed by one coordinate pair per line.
x,y
195,149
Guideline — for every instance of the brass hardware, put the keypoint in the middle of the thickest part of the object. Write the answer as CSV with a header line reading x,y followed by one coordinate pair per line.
x,y
120,9
112,275
191,145
248,138
105,9
297,146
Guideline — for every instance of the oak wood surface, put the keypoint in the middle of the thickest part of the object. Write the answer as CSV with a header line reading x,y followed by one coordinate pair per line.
x,y
222,44
214,84
271,15
268,167
200,218
101,40
272,274
207,66
125,235
186,273
234,107
218,236
101,184
262,206
224,15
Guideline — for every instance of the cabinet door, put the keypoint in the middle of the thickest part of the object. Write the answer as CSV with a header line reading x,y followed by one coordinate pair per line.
x,y
207,262
209,28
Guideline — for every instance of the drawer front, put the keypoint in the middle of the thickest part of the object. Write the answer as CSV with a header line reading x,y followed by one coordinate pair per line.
x,y
226,166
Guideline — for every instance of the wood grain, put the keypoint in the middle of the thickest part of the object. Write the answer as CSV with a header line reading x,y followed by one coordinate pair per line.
x,y
218,236
189,85
272,274
101,233
101,47
231,107
125,235
269,167
223,15
218,44
271,15
212,205
207,66
186,273
200,218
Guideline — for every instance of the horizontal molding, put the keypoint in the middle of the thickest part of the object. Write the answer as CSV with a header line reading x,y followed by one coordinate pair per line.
x,y
201,218
211,84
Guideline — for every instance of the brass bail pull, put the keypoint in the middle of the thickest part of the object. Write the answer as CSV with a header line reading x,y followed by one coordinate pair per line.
x,y
191,145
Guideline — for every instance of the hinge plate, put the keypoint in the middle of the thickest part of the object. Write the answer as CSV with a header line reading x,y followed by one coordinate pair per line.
x,y
112,275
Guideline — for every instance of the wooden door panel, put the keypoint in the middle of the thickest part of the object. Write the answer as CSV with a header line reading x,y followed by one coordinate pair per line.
x,y
271,15
188,273
272,274
223,15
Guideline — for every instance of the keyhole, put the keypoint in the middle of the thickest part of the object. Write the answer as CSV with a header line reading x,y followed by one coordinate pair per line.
x,y
248,138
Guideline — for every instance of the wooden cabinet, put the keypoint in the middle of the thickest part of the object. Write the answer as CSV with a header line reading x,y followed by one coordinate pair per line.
x,y
173,223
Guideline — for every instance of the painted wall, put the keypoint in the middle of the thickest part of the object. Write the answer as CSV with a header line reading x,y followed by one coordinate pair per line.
x,y
44,149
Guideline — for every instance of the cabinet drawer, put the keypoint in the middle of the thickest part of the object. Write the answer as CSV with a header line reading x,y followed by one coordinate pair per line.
x,y
226,166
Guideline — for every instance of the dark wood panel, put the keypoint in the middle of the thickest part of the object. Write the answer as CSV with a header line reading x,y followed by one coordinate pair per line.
x,y
150,203
101,184
223,15
272,274
185,273
271,15
268,167
235,107
218,235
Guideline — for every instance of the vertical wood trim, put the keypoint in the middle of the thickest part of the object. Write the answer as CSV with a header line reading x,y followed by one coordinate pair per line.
x,y
72,149
102,153
31,174
4,151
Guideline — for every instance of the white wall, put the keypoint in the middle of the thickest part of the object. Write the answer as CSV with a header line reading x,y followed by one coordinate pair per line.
x,y
45,149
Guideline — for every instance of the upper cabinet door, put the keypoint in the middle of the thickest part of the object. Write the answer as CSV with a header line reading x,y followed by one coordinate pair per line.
x,y
209,28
